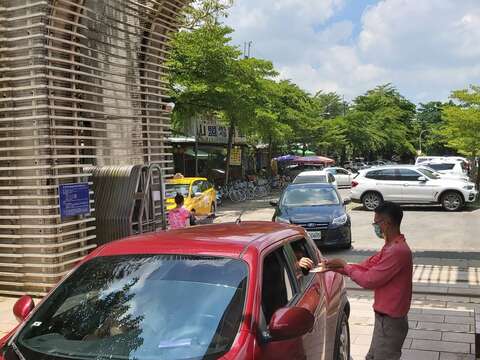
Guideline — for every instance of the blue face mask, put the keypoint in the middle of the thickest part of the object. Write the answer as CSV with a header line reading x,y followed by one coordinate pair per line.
x,y
378,230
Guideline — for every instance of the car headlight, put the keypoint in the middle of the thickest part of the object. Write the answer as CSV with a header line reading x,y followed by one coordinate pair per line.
x,y
282,220
341,220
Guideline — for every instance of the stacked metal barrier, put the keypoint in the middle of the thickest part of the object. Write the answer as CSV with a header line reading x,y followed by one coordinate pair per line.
x,y
129,201
82,82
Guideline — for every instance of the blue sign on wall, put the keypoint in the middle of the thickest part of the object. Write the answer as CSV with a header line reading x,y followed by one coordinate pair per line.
x,y
74,199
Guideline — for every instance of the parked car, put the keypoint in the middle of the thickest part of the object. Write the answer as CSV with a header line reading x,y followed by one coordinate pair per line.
x,y
308,177
295,169
319,209
407,184
342,176
445,175
466,165
456,168
229,291
200,195
424,159
355,166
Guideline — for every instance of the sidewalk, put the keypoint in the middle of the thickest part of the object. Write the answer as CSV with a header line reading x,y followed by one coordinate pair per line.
x,y
441,327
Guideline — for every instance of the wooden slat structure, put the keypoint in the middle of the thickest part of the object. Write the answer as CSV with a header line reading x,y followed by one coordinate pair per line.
x,y
82,83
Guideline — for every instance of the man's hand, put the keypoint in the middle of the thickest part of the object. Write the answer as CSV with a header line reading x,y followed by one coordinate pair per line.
x,y
306,263
334,264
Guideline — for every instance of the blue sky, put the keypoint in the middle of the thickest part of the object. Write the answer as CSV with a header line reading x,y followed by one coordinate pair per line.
x,y
426,48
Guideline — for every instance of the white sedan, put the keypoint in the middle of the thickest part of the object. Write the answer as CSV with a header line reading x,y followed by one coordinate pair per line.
x,y
342,176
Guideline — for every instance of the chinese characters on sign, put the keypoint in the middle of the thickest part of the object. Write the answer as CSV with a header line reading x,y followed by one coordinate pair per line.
x,y
74,199
214,132
236,156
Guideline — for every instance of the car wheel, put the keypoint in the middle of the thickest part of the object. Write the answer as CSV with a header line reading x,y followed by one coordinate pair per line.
x,y
452,201
342,339
371,200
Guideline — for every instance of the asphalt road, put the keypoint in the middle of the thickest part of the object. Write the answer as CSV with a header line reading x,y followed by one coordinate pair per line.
x,y
427,228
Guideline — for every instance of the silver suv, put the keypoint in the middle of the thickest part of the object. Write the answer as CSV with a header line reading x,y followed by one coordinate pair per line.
x,y
410,185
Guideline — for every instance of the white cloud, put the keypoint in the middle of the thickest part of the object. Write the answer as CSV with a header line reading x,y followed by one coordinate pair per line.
x,y
426,48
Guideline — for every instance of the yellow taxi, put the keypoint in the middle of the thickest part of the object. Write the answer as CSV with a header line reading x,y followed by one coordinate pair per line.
x,y
199,194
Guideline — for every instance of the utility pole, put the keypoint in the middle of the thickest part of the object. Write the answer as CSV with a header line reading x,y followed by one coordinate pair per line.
x,y
247,49
420,140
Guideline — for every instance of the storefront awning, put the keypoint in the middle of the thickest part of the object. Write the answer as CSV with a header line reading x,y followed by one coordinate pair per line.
x,y
200,154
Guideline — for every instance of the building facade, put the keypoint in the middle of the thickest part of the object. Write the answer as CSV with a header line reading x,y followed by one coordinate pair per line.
x,y
82,83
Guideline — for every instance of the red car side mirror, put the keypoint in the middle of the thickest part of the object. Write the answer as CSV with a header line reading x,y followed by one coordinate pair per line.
x,y
289,323
23,307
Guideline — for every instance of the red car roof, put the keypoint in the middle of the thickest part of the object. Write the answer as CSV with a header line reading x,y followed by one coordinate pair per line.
x,y
220,240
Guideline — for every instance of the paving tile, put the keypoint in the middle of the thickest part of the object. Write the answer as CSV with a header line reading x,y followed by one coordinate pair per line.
x,y
427,317
407,343
448,312
459,337
424,334
443,327
450,356
459,320
432,345
419,355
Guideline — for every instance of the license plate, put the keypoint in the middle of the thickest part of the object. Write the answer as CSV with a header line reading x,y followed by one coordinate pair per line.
x,y
315,235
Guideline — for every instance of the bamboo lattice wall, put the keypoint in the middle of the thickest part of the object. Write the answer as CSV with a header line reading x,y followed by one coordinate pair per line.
x,y
82,83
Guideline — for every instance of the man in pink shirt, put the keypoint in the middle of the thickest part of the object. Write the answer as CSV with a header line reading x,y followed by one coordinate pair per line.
x,y
389,274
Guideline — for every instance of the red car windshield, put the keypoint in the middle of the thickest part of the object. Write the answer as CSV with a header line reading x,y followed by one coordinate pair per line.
x,y
140,307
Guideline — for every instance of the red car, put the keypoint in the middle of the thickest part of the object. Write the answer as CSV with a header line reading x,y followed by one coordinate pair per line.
x,y
230,291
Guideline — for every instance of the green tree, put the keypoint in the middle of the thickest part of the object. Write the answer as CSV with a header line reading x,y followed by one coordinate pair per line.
x,y
429,123
200,13
462,123
209,76
380,123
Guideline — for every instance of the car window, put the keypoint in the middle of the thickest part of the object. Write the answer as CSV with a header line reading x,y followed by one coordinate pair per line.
x,y
373,174
171,190
301,249
441,167
342,172
203,186
429,173
408,175
333,171
310,179
277,283
388,175
309,196
196,187
136,308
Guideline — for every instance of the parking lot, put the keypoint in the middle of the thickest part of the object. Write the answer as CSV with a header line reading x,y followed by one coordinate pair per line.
x,y
427,228
446,276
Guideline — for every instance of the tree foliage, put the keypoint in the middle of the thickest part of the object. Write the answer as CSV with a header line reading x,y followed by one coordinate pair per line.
x,y
462,123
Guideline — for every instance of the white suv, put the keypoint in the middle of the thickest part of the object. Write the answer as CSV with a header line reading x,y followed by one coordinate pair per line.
x,y
410,185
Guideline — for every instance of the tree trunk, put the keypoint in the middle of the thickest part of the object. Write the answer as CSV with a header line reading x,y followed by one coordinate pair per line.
x,y
270,155
477,181
231,135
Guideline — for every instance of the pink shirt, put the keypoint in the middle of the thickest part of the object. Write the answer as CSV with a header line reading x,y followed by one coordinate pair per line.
x,y
178,218
389,273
